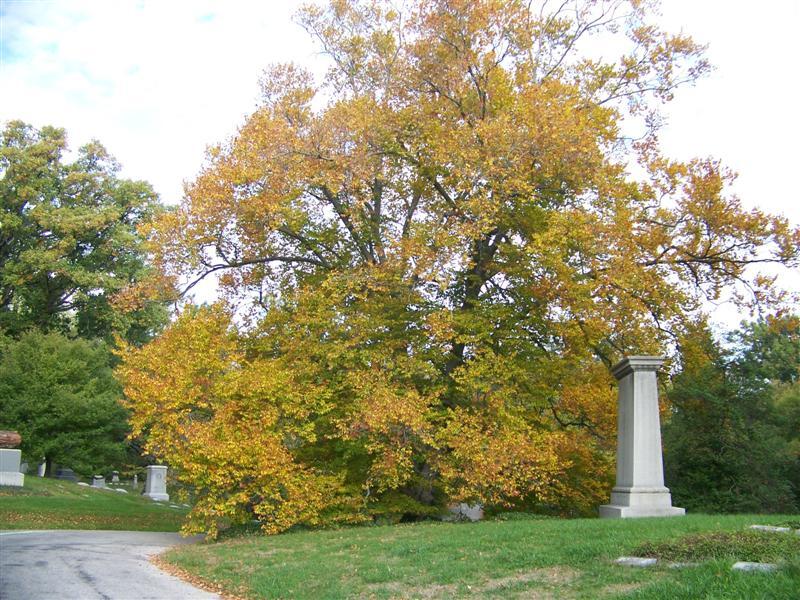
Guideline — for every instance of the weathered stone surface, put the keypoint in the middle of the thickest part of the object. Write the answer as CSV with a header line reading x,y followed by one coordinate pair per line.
x,y
636,561
683,565
10,460
66,474
155,487
464,511
754,566
9,439
771,528
84,484
98,481
640,490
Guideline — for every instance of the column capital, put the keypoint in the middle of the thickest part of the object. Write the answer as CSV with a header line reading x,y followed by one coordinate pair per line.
x,y
629,364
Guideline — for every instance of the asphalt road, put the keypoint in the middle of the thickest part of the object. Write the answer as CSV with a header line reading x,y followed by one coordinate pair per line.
x,y
89,565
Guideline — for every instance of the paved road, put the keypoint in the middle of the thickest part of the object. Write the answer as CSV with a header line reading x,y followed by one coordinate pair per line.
x,y
89,565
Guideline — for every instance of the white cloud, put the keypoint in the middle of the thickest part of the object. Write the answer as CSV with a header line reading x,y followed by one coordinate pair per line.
x,y
156,82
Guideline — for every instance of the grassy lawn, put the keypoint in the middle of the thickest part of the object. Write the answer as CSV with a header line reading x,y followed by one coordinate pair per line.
x,y
53,504
523,557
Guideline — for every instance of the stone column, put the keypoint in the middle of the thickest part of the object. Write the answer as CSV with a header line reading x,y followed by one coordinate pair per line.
x,y
155,486
640,490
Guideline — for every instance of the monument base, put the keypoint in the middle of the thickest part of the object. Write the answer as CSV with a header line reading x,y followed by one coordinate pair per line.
x,y
630,503
156,497
610,511
12,479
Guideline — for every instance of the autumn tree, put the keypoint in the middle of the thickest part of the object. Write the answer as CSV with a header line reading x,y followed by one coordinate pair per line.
x,y
69,240
431,259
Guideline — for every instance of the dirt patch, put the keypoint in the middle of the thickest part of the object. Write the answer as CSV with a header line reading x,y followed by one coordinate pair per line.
x,y
552,576
427,592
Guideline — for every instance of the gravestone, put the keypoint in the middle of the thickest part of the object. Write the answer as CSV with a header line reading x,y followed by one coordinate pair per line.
x,y
114,476
98,481
466,512
640,490
66,474
10,458
155,486
135,482
41,469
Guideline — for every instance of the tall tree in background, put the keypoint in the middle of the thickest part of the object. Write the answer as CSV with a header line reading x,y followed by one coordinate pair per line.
x,y
445,253
61,396
69,248
68,241
731,443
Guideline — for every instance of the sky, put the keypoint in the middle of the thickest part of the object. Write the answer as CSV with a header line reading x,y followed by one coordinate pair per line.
x,y
157,81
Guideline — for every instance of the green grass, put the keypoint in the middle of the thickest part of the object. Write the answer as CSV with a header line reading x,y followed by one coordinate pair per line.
x,y
53,504
526,558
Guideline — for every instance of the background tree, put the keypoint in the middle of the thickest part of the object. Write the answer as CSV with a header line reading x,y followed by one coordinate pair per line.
x,y
61,396
445,252
69,250
68,240
731,442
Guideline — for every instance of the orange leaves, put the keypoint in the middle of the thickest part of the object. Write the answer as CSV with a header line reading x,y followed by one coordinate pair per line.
x,y
443,253
495,463
224,423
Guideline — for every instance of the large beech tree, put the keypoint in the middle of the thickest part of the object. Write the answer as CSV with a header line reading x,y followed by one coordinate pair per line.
x,y
445,249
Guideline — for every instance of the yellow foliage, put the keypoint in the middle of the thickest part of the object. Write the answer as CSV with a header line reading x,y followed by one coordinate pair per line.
x,y
435,256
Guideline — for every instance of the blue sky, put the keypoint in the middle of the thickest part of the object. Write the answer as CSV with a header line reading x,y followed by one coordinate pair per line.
x,y
156,81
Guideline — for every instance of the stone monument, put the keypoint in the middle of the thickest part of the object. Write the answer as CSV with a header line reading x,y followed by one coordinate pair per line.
x,y
155,486
10,458
640,490
98,481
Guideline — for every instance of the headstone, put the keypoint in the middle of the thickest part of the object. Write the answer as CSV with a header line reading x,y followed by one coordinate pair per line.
x,y
771,528
469,512
10,459
114,476
66,474
636,561
753,566
135,482
42,469
640,490
98,481
83,484
155,486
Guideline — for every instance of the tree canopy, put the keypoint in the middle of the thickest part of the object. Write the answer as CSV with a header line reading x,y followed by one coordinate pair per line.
x,y
61,396
69,241
445,247
732,441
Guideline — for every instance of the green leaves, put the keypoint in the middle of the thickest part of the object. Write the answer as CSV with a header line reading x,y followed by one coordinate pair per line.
x,y
61,396
69,239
